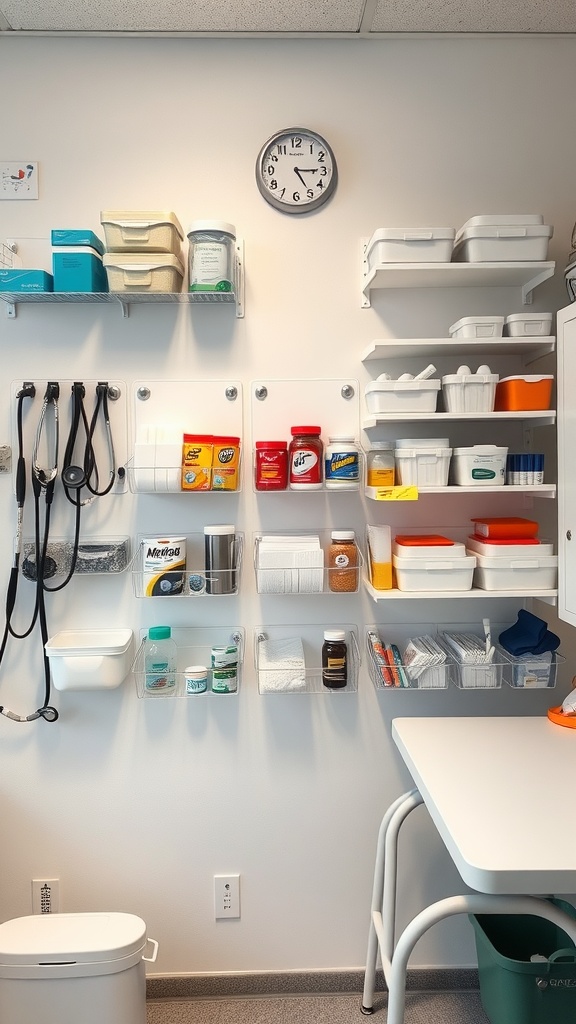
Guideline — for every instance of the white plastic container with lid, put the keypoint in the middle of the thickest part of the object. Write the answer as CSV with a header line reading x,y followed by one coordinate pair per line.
x,y
456,549
467,392
342,463
90,659
521,572
500,549
479,465
528,325
142,231
502,238
211,261
422,467
477,327
410,245
401,396
422,442
434,573
64,967
143,272
195,679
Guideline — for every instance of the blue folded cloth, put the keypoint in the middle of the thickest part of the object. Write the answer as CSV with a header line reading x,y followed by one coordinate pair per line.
x,y
529,635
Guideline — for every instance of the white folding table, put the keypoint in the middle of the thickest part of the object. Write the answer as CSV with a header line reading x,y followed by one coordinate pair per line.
x,y
499,792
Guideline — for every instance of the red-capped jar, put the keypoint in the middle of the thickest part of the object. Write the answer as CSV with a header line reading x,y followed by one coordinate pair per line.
x,y
271,466
305,459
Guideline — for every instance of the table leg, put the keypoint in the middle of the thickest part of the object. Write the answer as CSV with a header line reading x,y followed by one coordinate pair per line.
x,y
384,892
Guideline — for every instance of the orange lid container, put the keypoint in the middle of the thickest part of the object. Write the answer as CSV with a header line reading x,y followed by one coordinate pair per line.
x,y
504,527
516,394
423,540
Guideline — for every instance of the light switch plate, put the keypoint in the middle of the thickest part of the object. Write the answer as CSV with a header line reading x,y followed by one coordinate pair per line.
x,y
18,180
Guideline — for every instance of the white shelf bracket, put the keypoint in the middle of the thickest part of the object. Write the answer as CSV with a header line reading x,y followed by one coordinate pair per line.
x,y
11,310
125,307
529,287
365,296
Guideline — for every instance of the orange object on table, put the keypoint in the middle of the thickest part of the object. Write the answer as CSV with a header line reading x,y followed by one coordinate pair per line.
x,y
521,393
555,715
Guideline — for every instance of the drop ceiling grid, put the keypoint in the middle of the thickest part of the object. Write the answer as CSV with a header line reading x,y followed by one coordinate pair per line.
x,y
475,16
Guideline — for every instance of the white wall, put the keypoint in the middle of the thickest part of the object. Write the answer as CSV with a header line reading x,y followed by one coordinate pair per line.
x,y
134,805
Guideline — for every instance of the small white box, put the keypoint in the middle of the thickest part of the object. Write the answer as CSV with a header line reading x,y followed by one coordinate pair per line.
x,y
143,272
502,238
434,574
528,325
522,573
92,659
482,465
478,327
422,467
142,231
469,393
399,396
410,245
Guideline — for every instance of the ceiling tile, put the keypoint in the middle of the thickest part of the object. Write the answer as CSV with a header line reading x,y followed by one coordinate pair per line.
x,y
475,16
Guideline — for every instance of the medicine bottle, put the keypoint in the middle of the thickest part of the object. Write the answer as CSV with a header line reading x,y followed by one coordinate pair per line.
x,y
224,661
160,656
211,256
380,469
196,679
305,459
271,466
342,562
342,463
334,659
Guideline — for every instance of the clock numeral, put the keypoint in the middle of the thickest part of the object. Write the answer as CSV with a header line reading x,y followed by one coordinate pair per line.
x,y
296,142
273,183
282,150
309,193
296,197
270,169
323,171
320,184
321,156
311,148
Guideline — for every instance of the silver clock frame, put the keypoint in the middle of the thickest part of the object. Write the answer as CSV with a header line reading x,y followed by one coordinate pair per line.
x,y
313,204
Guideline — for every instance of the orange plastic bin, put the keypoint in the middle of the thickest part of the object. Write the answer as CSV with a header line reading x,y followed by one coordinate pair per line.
x,y
515,394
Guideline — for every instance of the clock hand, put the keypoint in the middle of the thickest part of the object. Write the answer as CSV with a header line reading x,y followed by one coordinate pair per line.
x,y
296,171
305,170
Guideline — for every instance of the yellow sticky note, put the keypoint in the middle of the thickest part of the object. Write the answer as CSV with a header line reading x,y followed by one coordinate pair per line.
x,y
409,493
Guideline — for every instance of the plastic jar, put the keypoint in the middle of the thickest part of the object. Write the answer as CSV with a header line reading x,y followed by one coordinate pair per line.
x,y
211,256
342,562
342,463
334,659
271,466
196,679
305,459
380,466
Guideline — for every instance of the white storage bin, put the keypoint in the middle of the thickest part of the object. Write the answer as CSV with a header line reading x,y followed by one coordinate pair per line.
x,y
422,442
142,231
480,465
522,573
140,272
88,967
478,327
91,659
410,245
469,392
422,467
511,550
455,550
502,238
434,573
528,325
402,396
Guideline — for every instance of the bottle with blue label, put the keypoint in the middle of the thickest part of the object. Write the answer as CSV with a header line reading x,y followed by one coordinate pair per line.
x,y
342,463
160,657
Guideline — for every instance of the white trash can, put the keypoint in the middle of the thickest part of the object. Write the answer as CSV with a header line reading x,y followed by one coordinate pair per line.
x,y
67,968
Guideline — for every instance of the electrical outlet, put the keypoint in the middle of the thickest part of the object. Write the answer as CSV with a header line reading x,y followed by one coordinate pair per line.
x,y
45,895
226,896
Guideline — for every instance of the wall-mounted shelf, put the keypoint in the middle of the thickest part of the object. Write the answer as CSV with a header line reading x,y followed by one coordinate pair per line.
x,y
533,417
288,659
194,646
548,596
526,275
537,491
392,348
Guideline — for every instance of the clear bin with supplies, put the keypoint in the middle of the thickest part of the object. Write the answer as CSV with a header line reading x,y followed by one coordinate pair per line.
x,y
478,663
531,671
407,657
196,647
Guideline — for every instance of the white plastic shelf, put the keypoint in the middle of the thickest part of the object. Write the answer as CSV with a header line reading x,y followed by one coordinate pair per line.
x,y
536,491
533,417
529,349
547,596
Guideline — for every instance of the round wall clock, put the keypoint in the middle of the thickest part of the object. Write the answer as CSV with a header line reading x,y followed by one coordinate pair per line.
x,y
296,171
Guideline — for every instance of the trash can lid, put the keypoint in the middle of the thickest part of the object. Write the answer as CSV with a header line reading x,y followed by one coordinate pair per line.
x,y
70,938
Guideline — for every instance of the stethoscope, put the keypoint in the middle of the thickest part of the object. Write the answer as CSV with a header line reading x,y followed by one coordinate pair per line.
x,y
74,478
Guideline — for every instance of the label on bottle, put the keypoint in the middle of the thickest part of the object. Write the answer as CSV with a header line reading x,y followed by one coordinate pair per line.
x,y
305,466
377,477
342,466
158,675
224,680
209,270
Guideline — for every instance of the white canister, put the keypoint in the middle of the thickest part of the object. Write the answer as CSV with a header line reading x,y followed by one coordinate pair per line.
x,y
211,256
342,463
196,679
479,465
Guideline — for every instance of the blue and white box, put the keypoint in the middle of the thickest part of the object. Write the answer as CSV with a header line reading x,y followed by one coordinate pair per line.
x,y
23,280
76,236
78,269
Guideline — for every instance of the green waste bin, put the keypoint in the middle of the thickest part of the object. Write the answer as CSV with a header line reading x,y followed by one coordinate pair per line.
x,y
515,990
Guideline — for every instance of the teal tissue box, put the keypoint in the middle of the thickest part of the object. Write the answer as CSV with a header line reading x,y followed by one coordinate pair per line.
x,y
78,270
77,236
26,281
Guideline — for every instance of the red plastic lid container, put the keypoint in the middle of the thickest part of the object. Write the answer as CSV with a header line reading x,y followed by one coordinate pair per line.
x,y
305,430
505,527
423,540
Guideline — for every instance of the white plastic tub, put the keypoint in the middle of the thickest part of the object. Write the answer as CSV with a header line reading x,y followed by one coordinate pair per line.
x,y
91,659
410,245
502,238
422,467
142,231
528,325
469,392
522,573
477,327
481,465
511,550
422,442
434,574
429,551
143,272
402,396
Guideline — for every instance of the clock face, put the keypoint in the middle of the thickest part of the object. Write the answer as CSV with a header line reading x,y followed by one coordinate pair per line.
x,y
296,171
